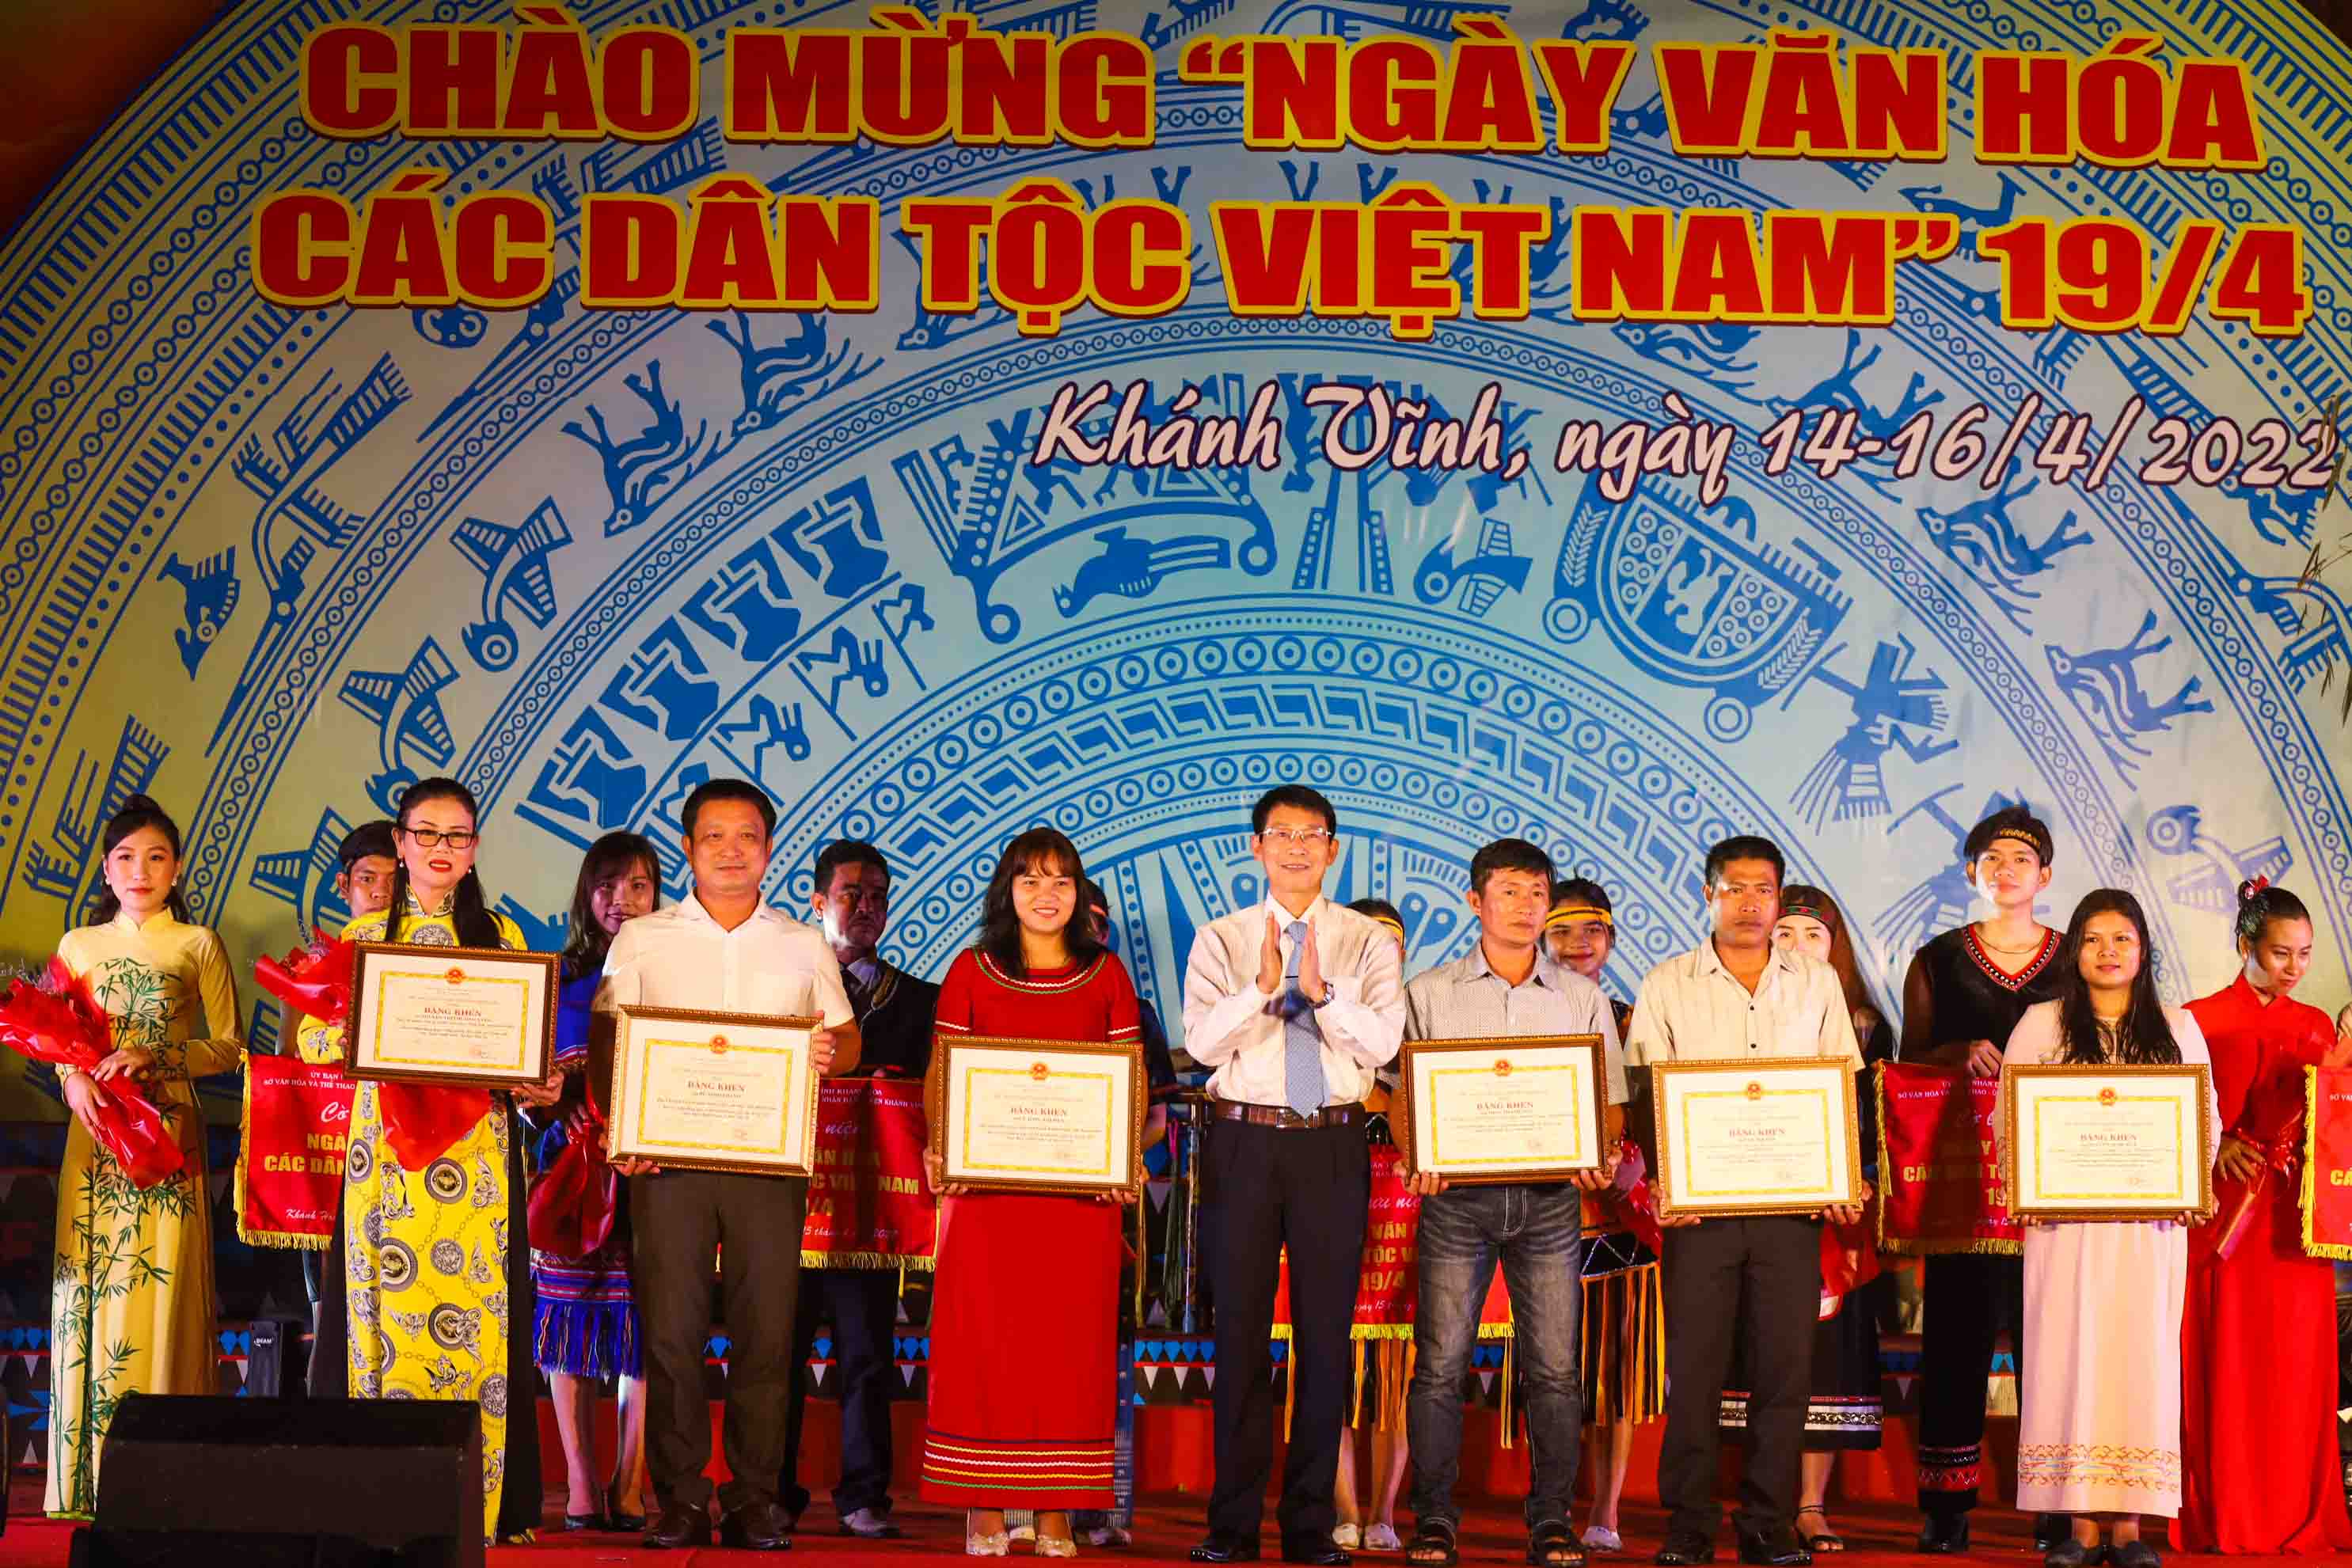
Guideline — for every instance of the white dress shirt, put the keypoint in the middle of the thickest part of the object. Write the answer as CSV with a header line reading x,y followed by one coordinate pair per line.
x,y
678,957
1232,1026
1691,1008
1468,1000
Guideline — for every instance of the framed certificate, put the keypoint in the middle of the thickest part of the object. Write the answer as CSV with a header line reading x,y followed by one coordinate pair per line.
x,y
2092,1142
1521,1109
483,1017
1777,1135
717,1091
1036,1115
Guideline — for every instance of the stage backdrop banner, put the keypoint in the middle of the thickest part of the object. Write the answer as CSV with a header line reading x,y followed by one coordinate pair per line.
x,y
1617,424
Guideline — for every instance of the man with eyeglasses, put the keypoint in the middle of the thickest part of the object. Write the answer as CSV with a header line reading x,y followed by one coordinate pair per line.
x,y
1294,1002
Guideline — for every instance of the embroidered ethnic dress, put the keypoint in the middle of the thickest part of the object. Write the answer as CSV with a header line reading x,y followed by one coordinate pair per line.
x,y
2098,1426
436,1268
133,1308
1024,1307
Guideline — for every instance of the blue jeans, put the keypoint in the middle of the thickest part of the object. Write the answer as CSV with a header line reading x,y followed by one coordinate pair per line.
x,y
1536,1232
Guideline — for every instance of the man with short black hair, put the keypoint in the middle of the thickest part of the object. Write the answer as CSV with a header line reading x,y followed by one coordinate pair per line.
x,y
1507,986
1737,998
722,949
1293,1002
893,1011
365,864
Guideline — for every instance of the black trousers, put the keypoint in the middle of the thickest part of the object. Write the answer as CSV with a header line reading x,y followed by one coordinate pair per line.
x,y
861,1305
328,1374
678,1218
1755,1283
1966,1299
1268,1188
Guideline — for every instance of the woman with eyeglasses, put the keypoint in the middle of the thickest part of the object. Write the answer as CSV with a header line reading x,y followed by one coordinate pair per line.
x,y
1025,1304
131,1306
435,1262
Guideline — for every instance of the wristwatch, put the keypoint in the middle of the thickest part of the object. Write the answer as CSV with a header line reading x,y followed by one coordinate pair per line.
x,y
1329,990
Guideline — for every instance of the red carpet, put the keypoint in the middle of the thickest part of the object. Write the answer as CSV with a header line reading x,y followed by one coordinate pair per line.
x,y
1880,1534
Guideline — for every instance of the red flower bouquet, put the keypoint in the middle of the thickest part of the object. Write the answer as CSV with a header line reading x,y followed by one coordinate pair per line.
x,y
59,1022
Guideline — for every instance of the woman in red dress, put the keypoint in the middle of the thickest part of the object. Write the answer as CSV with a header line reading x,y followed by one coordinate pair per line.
x,y
2258,1335
1024,1301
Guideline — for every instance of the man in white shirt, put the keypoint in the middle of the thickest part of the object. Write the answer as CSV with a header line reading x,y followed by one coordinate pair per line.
x,y
1294,1002
1736,998
721,949
1507,986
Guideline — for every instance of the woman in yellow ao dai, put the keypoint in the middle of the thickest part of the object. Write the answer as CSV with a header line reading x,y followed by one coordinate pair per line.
x,y
435,1261
132,1309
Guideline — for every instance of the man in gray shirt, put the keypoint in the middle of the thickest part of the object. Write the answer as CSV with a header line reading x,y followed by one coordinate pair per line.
x,y
1507,986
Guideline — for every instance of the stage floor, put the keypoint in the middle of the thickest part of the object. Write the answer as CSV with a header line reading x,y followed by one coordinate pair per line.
x,y
1879,1534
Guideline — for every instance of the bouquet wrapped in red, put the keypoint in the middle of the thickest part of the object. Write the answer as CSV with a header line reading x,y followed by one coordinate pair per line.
x,y
571,1212
59,1022
316,980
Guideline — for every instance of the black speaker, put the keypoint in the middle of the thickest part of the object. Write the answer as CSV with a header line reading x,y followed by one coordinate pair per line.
x,y
351,1483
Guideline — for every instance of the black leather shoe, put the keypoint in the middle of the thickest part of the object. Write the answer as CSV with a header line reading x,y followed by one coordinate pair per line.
x,y
680,1525
1683,1548
1945,1534
1776,1548
761,1527
1226,1549
2051,1529
1320,1553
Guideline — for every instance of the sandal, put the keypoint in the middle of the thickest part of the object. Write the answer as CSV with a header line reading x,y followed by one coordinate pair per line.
x,y
1552,1544
1431,1546
1827,1539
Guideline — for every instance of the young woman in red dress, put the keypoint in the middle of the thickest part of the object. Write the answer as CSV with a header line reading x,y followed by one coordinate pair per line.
x,y
1026,1283
2258,1332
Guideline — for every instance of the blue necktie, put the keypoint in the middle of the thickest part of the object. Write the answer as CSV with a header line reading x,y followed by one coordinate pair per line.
x,y
1302,1062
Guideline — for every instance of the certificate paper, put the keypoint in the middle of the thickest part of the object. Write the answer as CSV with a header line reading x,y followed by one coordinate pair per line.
x,y
1756,1137
1502,1109
704,1091
2097,1141
1042,1116
477,1016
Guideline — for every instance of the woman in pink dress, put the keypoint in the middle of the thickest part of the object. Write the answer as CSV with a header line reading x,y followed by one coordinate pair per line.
x,y
2098,1433
2258,1341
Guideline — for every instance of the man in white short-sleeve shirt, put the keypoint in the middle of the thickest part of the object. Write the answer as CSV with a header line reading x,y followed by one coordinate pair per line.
x,y
722,949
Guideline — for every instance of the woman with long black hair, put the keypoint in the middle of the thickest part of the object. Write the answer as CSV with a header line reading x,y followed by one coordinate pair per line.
x,y
132,1311
1024,1304
439,1296
586,1326
2099,1419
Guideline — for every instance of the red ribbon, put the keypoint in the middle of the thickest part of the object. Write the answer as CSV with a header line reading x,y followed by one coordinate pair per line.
x,y
58,1021
421,1120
